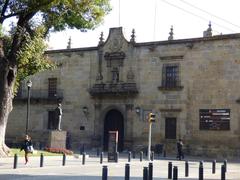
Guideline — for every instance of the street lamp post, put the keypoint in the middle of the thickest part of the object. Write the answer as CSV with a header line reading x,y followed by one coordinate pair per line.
x,y
149,139
29,85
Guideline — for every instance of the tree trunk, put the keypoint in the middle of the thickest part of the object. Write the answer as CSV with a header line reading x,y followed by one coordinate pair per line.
x,y
8,71
7,78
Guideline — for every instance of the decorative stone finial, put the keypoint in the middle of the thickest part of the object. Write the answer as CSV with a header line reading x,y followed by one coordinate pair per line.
x,y
130,75
69,43
208,32
101,39
171,34
133,36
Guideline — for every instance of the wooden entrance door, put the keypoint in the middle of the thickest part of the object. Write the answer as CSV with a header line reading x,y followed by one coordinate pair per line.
x,y
170,128
113,122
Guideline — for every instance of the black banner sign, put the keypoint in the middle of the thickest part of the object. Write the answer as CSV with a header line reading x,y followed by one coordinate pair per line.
x,y
214,119
112,146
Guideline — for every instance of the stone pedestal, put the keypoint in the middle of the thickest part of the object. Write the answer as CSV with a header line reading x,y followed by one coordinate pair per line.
x,y
57,139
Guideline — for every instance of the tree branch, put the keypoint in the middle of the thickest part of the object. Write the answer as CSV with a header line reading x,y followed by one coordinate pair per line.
x,y
47,28
4,8
29,30
34,9
17,38
3,11
42,5
8,16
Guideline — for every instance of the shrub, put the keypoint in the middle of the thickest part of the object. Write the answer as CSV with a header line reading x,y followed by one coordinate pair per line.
x,y
59,150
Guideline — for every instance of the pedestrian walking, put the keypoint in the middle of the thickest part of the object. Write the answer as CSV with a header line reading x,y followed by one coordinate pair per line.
x,y
180,154
27,147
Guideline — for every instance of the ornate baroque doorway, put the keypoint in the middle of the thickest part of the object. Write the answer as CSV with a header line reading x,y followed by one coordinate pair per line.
x,y
113,122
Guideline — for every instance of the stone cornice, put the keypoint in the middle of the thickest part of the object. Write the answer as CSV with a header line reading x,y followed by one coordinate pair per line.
x,y
155,43
163,88
71,50
171,57
190,40
170,109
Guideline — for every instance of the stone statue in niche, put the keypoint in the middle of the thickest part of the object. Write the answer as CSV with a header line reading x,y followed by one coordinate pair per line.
x,y
115,75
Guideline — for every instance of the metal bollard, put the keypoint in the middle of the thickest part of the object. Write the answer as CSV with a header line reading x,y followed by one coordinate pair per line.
x,y
141,155
145,173
101,157
169,170
152,156
223,171
186,169
175,173
15,161
97,152
146,153
83,148
104,173
129,156
64,159
164,153
117,156
40,146
213,166
41,160
127,172
133,155
225,164
83,158
150,171
201,171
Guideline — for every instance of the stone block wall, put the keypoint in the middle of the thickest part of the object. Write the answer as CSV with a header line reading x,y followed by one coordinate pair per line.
x,y
208,70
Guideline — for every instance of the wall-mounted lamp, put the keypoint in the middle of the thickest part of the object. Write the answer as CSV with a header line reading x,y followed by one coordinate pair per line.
x,y
85,110
137,110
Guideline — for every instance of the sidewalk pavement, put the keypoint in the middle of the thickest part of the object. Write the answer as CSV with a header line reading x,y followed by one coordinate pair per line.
x,y
92,170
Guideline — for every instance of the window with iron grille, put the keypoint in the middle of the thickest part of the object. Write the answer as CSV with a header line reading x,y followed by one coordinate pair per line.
x,y
52,87
170,76
51,120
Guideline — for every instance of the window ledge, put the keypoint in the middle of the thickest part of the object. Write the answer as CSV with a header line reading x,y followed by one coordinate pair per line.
x,y
238,100
163,88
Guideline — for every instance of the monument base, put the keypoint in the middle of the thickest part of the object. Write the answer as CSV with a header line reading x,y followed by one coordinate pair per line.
x,y
57,139
113,157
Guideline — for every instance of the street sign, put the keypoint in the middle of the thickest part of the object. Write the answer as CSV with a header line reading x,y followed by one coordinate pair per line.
x,y
112,146
214,119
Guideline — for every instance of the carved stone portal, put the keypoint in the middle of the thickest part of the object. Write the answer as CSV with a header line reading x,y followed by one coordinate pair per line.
x,y
117,57
116,44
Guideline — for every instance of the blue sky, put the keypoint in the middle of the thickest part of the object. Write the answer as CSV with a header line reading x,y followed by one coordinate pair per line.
x,y
152,20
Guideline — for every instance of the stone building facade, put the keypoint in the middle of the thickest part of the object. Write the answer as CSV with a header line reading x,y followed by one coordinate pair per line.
x,y
191,84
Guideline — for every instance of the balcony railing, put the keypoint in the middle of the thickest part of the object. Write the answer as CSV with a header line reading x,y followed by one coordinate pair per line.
x,y
171,85
113,89
40,96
